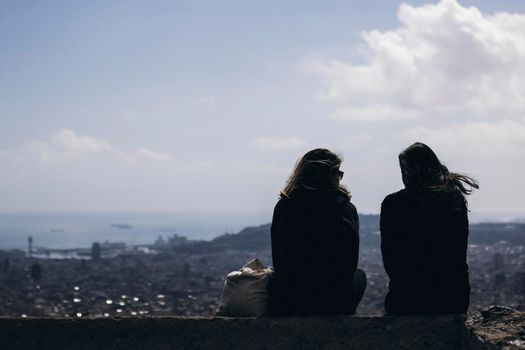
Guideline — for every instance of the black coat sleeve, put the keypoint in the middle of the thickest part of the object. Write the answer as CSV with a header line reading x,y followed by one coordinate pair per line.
x,y
353,235
277,238
387,224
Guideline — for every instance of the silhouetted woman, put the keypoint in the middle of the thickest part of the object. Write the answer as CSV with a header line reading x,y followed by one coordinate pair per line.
x,y
315,242
424,232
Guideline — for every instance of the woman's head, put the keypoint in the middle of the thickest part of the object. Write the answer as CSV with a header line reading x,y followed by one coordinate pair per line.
x,y
423,174
318,169
420,167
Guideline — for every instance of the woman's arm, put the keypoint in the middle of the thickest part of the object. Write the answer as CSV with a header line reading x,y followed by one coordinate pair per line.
x,y
387,224
353,221
277,236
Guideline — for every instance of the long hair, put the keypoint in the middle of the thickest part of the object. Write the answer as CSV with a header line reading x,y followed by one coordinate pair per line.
x,y
424,175
314,171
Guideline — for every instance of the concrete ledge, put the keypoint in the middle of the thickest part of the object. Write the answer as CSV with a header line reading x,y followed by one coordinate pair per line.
x,y
485,330
336,332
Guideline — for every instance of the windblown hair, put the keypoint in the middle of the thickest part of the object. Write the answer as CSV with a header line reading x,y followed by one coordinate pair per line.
x,y
425,176
314,171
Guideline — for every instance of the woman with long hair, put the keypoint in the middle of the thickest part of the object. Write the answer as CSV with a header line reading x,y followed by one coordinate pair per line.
x,y
424,233
315,242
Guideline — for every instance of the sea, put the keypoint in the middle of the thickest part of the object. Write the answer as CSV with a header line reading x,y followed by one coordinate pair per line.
x,y
81,230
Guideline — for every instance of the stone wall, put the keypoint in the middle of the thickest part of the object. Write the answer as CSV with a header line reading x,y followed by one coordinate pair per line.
x,y
484,330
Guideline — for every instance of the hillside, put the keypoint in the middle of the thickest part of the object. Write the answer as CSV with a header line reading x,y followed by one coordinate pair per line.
x,y
258,237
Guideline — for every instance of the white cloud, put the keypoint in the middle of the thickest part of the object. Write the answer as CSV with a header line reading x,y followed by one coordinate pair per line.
x,y
70,142
154,156
67,145
375,113
445,61
475,138
278,143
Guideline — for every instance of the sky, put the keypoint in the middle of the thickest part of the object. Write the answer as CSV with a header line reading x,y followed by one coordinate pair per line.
x,y
205,106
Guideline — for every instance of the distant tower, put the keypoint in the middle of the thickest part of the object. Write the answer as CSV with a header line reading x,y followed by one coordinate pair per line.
x,y
30,246
95,252
160,242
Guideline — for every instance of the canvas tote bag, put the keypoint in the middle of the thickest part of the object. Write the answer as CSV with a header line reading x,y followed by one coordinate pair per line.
x,y
245,292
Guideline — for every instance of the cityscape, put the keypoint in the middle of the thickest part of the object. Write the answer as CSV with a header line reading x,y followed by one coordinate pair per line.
x,y
175,276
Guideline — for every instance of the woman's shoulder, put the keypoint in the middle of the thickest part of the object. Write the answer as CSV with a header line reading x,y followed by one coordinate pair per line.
x,y
282,202
350,207
396,197
333,201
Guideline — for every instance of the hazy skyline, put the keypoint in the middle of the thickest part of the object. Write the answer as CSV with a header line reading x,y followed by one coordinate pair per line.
x,y
205,106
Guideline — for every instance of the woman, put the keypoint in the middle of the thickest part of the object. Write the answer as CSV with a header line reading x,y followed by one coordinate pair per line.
x,y
424,232
315,242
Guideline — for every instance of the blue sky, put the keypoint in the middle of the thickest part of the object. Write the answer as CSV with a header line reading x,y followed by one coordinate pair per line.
x,y
205,105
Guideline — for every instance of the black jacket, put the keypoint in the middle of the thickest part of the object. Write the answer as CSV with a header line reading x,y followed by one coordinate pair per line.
x,y
424,247
315,248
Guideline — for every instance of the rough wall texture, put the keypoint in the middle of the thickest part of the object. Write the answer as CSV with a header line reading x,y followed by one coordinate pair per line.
x,y
497,327
336,332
